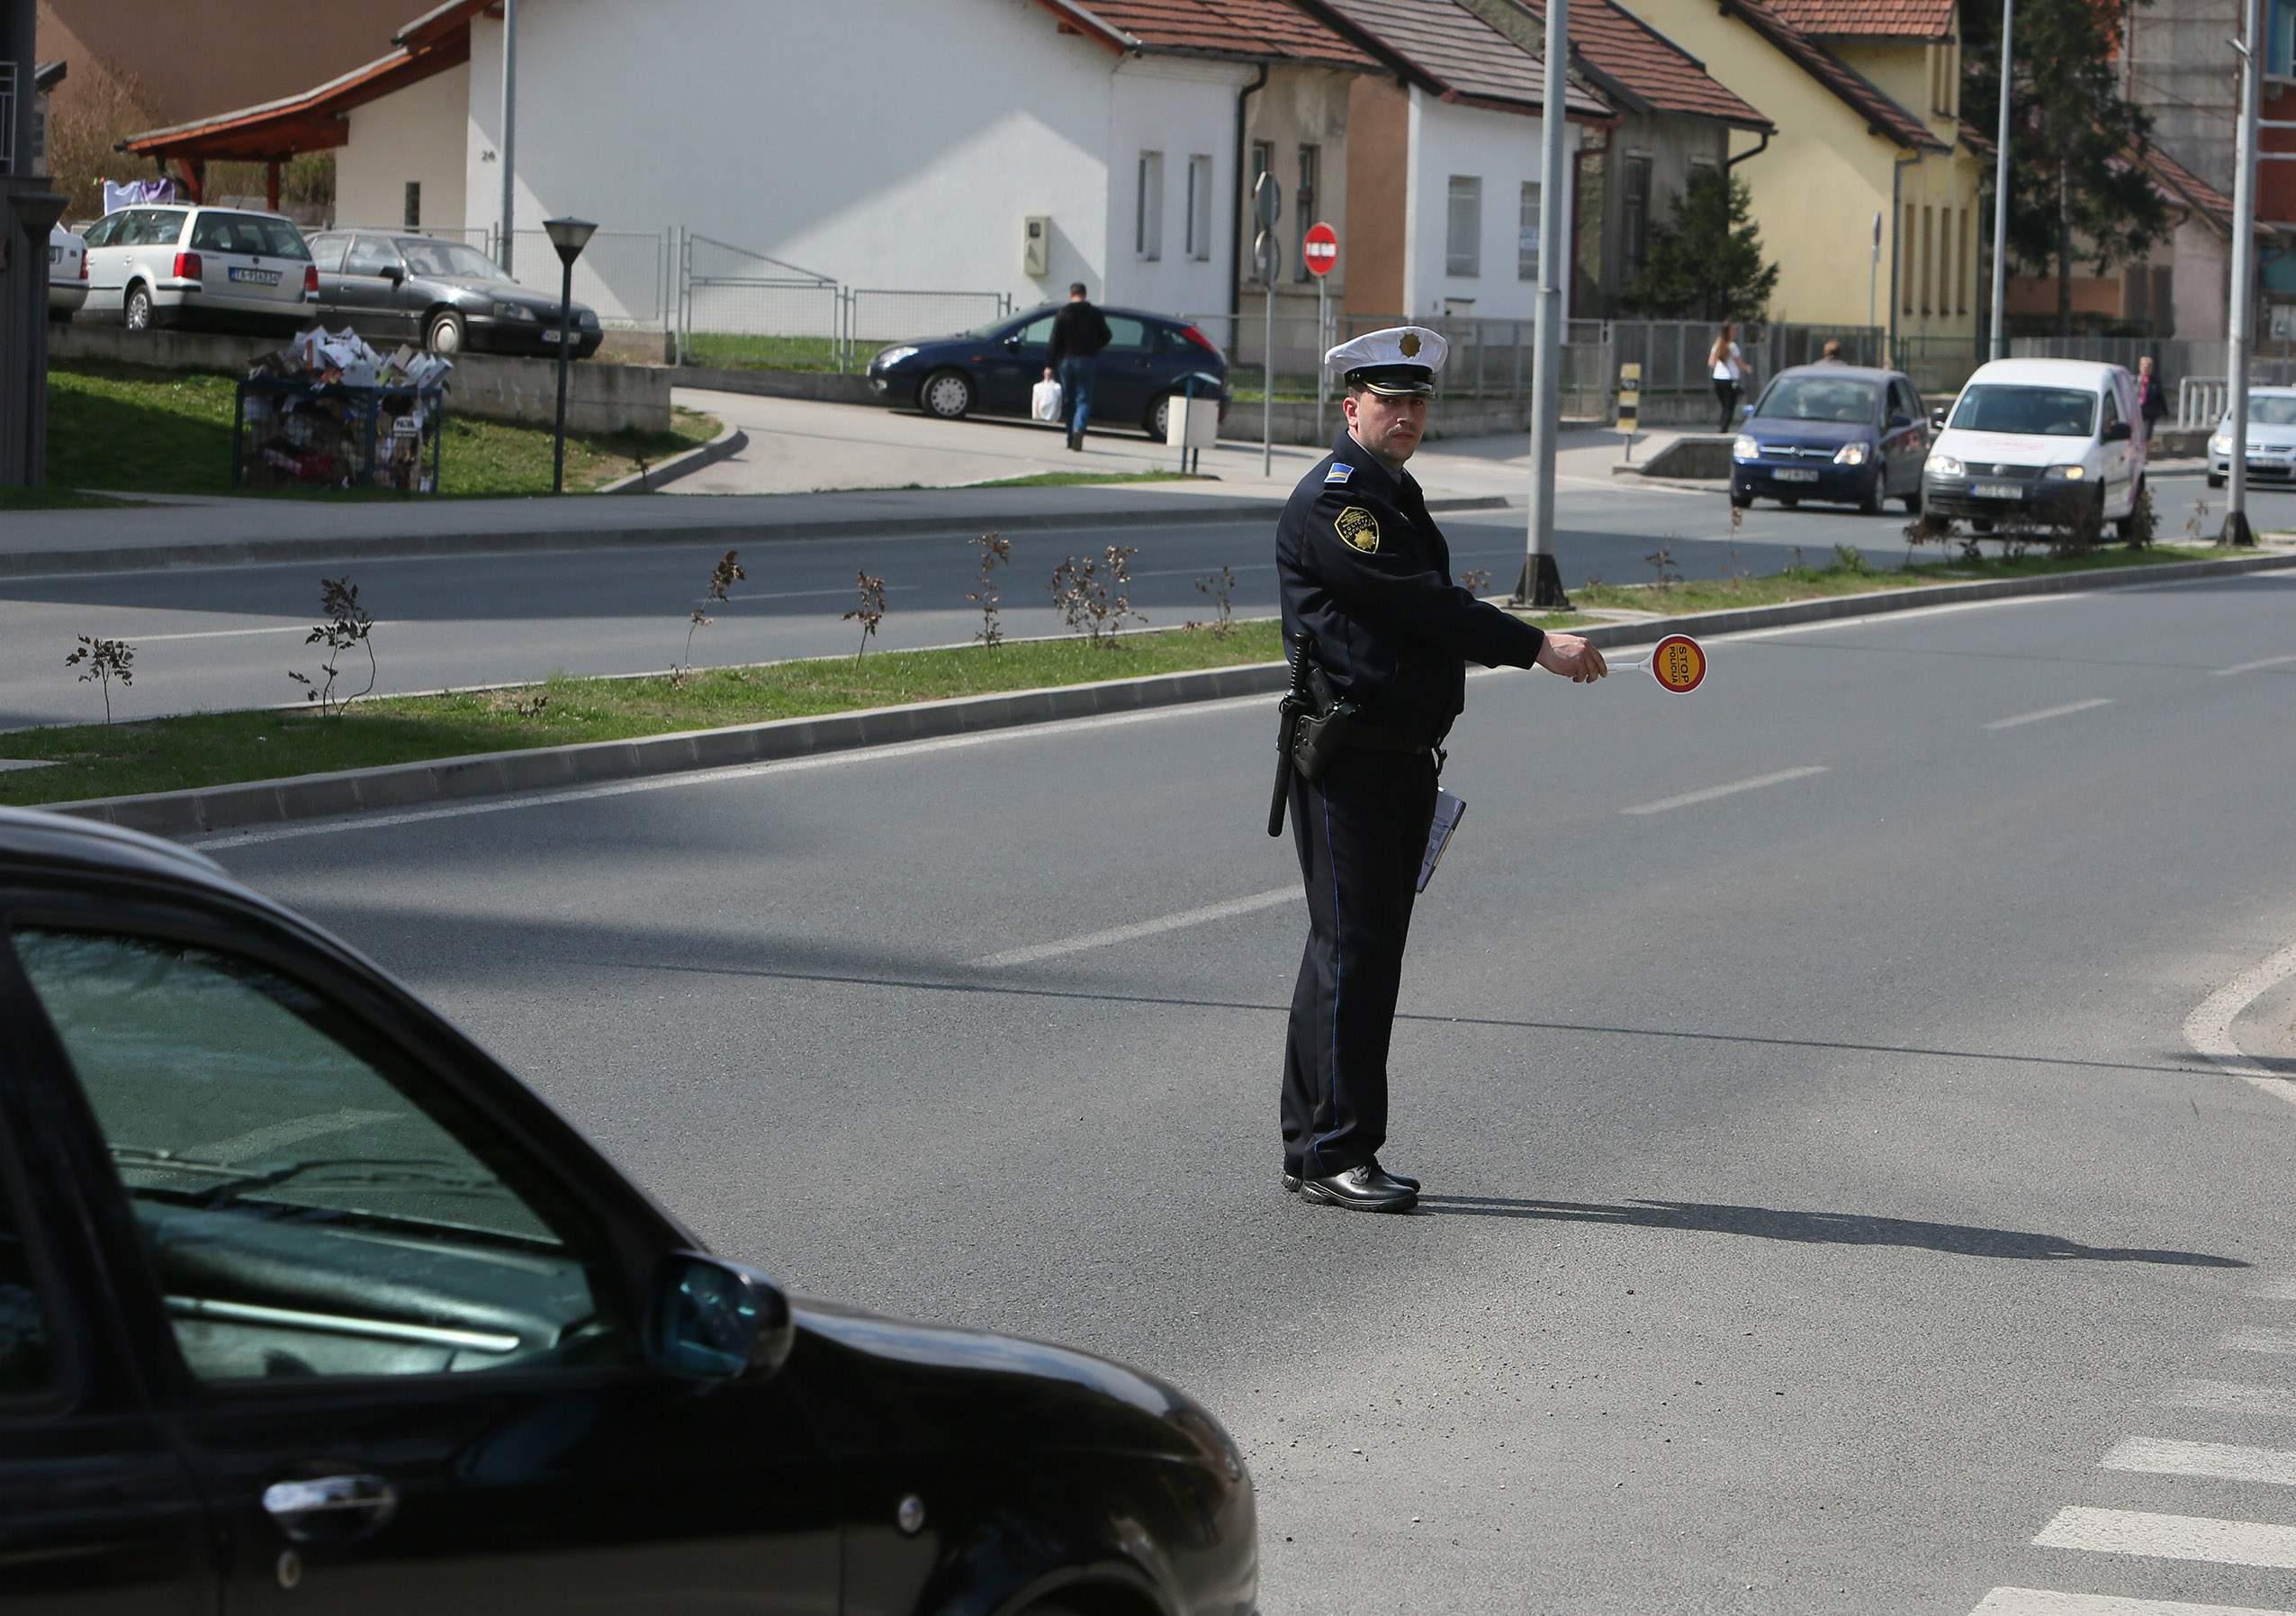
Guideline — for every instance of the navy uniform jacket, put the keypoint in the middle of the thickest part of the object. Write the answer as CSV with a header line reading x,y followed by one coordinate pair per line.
x,y
1363,568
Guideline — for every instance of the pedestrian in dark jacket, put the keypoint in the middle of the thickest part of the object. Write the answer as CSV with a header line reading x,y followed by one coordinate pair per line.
x,y
2152,396
1080,331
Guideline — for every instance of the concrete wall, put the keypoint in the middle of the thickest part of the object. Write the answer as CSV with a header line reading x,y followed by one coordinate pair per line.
x,y
1379,167
1672,143
600,398
1306,107
2202,287
422,133
1178,109
875,175
2177,67
1503,151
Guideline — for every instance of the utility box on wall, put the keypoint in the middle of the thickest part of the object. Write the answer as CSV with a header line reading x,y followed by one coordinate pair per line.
x,y
1036,245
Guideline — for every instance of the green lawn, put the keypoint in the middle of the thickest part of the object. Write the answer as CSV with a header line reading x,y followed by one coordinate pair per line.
x,y
725,350
1813,582
1085,479
143,430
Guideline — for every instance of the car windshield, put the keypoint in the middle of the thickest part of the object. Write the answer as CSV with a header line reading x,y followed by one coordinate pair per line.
x,y
1820,398
449,260
2278,411
2032,411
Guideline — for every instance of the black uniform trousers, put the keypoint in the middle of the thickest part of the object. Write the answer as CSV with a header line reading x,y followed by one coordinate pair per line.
x,y
1361,832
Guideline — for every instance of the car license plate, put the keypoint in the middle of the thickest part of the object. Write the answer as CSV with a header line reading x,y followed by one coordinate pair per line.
x,y
1997,491
553,334
1796,476
255,277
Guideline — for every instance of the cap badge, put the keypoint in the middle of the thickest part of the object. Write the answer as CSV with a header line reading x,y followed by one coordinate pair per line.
x,y
1410,344
1359,528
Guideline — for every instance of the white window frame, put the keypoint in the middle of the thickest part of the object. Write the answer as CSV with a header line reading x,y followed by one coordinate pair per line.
x,y
1200,207
1469,188
1528,220
1148,219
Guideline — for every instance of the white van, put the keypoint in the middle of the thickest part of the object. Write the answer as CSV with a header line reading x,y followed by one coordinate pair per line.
x,y
2039,441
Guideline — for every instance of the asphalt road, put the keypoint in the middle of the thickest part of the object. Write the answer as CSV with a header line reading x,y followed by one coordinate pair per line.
x,y
226,636
1823,1205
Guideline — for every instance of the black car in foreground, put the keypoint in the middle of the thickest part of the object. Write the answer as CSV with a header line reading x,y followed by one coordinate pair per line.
x,y
990,371
446,297
306,1304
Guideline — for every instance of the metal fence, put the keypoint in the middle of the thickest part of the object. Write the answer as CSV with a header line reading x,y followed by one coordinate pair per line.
x,y
2203,400
739,307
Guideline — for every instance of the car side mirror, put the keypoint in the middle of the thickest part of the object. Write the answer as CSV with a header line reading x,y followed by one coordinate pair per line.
x,y
2118,432
715,1320
1013,342
396,273
1937,417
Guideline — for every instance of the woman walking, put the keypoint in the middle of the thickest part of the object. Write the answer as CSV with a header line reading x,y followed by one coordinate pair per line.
x,y
1729,368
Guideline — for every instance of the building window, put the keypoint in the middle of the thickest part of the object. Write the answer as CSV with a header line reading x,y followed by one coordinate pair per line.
x,y
1148,226
1527,240
1929,245
1636,207
1463,243
2280,38
414,220
1303,204
1200,207
1964,254
1907,247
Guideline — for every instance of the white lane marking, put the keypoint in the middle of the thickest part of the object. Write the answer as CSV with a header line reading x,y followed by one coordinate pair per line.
x,y
2250,667
1141,928
2223,1461
279,1135
2041,1601
2230,1397
1732,790
2171,1536
2051,712
706,777
2280,1342
2209,1028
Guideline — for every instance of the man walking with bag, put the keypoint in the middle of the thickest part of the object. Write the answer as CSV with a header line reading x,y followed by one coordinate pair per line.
x,y
1368,600
1080,331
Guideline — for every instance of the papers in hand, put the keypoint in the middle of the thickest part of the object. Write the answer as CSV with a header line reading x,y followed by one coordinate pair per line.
x,y
1450,808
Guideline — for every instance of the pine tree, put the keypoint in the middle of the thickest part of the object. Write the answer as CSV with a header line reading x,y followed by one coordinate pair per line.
x,y
2074,191
1705,262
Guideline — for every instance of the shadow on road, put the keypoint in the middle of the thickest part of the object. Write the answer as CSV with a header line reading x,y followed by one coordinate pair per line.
x,y
1818,1228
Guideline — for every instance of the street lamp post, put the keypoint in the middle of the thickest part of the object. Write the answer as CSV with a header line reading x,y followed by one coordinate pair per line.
x,y
2237,530
569,236
1541,583
2000,347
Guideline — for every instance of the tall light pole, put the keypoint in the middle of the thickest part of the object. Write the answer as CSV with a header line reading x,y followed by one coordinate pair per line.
x,y
1541,583
510,120
569,236
2000,348
2237,530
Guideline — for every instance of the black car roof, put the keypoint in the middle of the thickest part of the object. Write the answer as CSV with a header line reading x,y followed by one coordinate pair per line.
x,y
33,836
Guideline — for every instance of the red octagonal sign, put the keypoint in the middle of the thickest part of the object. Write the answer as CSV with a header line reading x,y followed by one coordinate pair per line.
x,y
1321,249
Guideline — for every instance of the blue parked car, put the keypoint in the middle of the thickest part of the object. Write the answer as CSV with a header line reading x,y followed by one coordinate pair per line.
x,y
1832,432
1149,358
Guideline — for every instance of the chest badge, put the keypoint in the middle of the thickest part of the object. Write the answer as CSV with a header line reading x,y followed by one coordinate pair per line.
x,y
1359,528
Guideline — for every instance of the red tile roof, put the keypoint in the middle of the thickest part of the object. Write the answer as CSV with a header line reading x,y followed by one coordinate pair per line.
x,y
1254,29
1456,53
1882,115
1873,19
2178,185
1633,63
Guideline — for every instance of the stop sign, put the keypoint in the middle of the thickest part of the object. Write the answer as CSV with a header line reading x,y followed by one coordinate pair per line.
x,y
1320,247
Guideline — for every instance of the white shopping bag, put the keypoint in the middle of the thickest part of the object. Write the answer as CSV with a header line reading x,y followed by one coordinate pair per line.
x,y
1044,400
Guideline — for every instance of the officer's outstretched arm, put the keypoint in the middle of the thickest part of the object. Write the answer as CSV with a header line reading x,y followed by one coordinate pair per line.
x,y
1360,551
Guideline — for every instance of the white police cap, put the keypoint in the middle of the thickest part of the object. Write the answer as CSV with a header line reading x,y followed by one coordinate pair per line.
x,y
1400,360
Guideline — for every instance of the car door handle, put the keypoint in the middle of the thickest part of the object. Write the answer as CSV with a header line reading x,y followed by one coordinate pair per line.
x,y
333,1509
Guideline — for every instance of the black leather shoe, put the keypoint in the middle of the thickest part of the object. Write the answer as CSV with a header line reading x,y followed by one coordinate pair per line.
x,y
1292,1180
1361,1189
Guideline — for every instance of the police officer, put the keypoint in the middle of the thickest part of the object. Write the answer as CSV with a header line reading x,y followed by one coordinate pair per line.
x,y
1365,579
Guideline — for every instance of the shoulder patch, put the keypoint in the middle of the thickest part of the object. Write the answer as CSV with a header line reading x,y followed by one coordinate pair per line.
x,y
1339,472
1359,528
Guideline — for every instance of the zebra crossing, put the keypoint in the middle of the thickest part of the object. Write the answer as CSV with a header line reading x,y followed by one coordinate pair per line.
x,y
2264,1395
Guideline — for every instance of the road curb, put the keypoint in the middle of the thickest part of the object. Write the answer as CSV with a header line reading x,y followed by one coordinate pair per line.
x,y
728,443
43,564
212,809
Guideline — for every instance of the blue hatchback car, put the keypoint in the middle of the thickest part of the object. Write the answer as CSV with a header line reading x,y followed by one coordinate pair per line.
x,y
989,371
1832,432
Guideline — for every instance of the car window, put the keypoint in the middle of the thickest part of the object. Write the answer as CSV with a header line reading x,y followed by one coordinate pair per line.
x,y
101,233
370,255
454,261
1902,402
2111,401
1125,332
1818,398
326,250
2029,410
27,1360
153,227
1036,331
309,1203
247,233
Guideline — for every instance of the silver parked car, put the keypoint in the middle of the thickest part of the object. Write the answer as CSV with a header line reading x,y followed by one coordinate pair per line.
x,y
200,266
2272,437
67,275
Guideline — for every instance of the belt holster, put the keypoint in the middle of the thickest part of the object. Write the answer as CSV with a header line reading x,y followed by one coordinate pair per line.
x,y
1324,729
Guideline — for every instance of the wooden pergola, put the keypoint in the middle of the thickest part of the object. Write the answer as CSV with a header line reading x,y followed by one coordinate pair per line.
x,y
316,119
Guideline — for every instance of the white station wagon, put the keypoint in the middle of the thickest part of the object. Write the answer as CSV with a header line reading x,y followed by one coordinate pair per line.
x,y
150,266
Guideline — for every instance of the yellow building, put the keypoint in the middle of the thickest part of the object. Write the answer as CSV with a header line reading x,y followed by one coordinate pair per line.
x,y
1866,96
